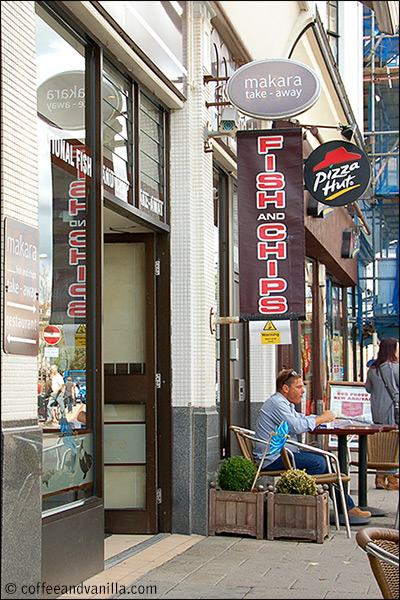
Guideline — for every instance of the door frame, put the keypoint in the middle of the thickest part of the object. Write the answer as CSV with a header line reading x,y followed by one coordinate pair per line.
x,y
136,520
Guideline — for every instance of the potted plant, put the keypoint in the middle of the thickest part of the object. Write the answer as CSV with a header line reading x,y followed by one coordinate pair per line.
x,y
233,508
297,508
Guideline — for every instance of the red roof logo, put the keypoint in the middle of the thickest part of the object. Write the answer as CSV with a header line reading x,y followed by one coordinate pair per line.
x,y
336,157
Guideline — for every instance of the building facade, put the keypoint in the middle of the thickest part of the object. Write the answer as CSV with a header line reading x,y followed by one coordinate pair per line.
x,y
120,237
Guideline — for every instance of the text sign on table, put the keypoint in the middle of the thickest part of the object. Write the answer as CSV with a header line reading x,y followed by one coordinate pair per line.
x,y
350,401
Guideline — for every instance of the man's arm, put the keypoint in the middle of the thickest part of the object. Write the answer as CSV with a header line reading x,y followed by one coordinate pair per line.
x,y
326,417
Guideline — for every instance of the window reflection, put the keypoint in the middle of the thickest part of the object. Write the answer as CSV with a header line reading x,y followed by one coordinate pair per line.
x,y
64,175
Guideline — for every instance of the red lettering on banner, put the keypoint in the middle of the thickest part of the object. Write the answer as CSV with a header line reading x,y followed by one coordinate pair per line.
x,y
266,143
278,200
75,256
272,232
77,238
77,309
272,268
74,206
77,289
272,306
270,184
77,243
81,273
270,162
271,181
263,251
77,189
268,286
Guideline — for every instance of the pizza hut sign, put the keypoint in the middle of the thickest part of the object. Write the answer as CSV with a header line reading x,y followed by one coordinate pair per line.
x,y
337,173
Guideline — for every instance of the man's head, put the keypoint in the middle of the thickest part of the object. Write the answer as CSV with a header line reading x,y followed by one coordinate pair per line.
x,y
53,369
290,385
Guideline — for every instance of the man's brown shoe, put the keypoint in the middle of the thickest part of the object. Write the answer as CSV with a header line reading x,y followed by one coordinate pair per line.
x,y
360,513
380,482
393,483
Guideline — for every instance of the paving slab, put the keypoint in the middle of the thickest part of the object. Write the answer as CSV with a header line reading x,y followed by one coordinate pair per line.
x,y
230,567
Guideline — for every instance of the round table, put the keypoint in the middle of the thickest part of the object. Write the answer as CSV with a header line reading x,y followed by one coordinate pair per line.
x,y
342,431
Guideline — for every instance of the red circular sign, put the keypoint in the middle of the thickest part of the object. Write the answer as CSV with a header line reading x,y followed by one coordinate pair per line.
x,y
52,335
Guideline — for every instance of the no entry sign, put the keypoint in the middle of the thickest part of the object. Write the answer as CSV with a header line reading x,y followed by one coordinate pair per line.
x,y
52,335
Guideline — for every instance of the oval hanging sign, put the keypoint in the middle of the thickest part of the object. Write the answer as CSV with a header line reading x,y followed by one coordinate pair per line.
x,y
273,88
61,100
337,173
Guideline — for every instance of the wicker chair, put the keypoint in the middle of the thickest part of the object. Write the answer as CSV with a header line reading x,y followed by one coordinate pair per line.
x,y
382,548
246,440
382,452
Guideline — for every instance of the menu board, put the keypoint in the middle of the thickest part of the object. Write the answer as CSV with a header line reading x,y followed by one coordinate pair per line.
x,y
349,401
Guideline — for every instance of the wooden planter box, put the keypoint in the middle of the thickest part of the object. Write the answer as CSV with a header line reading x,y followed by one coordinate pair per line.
x,y
300,517
237,512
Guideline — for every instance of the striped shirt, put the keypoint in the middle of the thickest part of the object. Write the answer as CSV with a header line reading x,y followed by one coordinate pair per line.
x,y
273,412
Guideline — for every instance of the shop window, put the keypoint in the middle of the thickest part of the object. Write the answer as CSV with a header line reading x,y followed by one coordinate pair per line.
x,y
125,456
118,175
335,332
152,159
333,27
65,171
306,336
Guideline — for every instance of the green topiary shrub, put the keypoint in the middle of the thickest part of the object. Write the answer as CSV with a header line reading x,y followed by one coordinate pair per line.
x,y
236,474
296,481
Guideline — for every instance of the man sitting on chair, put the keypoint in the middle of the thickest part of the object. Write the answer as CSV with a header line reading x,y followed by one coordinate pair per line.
x,y
281,407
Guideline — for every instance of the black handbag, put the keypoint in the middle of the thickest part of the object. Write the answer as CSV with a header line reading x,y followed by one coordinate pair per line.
x,y
394,398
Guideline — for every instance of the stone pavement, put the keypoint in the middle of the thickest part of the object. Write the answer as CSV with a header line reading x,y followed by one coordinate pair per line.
x,y
232,567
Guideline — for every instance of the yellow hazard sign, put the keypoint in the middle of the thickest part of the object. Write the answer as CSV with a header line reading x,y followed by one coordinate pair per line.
x,y
80,336
271,337
270,332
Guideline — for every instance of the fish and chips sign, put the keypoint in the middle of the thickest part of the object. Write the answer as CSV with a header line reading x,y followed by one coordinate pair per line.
x,y
270,190
271,224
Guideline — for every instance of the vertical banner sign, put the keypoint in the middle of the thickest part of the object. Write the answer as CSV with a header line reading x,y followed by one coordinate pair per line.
x,y
70,170
271,224
21,288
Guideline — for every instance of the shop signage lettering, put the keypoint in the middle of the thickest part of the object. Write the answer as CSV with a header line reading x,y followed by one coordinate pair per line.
x,y
21,297
118,186
62,97
151,203
76,157
273,88
271,232
337,173
69,239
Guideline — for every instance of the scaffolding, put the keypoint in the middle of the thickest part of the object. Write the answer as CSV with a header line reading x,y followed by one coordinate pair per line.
x,y
378,259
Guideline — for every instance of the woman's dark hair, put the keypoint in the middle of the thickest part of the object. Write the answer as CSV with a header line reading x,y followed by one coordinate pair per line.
x,y
387,352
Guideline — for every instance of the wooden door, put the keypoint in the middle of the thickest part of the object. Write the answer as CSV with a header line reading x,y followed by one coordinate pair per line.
x,y
129,385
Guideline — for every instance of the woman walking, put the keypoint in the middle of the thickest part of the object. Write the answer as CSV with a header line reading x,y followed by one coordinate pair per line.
x,y
383,385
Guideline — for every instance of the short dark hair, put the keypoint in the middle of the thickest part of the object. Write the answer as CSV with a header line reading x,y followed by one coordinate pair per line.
x,y
286,376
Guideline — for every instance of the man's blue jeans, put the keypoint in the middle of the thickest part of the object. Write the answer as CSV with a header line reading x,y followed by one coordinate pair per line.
x,y
313,463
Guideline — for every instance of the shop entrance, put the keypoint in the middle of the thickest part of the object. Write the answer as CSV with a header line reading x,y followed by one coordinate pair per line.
x,y
130,459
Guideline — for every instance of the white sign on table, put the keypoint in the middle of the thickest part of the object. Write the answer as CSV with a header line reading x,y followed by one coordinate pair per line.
x,y
349,401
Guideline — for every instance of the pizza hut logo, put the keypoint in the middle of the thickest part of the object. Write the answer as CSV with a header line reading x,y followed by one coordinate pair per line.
x,y
337,173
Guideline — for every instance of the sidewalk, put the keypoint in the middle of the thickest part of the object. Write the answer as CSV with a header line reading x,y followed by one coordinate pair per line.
x,y
230,567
